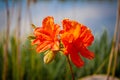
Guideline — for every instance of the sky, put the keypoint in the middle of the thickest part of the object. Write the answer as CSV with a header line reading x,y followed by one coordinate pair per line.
x,y
97,15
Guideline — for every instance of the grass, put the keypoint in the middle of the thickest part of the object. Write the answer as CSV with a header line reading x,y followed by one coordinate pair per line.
x,y
32,66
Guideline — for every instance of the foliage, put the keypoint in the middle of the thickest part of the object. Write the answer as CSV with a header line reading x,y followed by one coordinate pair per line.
x,y
32,66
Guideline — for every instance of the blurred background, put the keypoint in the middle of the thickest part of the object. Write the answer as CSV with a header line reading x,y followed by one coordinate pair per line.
x,y
19,60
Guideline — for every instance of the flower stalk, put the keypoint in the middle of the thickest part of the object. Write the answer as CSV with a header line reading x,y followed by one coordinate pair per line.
x,y
73,78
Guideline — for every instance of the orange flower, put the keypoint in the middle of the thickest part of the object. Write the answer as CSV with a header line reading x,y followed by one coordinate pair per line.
x,y
47,35
76,38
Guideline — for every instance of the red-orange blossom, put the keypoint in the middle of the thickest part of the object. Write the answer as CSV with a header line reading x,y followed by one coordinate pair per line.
x,y
76,38
47,35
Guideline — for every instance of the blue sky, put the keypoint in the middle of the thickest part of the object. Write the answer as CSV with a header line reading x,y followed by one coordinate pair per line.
x,y
96,15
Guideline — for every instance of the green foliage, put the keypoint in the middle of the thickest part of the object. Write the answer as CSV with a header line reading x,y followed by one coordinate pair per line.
x,y
32,66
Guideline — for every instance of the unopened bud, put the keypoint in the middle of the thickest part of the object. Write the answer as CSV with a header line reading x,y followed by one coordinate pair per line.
x,y
31,37
49,56
33,26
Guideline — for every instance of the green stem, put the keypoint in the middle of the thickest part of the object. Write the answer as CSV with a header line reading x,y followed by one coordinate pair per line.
x,y
73,78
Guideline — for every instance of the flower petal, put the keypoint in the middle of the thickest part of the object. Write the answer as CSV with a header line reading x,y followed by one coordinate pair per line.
x,y
88,40
55,46
66,24
43,46
86,36
76,32
76,59
36,41
72,27
41,32
86,53
48,23
56,29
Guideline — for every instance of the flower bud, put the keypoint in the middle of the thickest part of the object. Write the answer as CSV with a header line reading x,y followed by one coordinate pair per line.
x,y
31,37
49,56
33,26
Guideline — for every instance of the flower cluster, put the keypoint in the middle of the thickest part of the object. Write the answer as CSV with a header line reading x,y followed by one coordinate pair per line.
x,y
75,38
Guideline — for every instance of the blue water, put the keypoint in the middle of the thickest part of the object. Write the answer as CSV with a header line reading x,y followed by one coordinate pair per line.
x,y
97,15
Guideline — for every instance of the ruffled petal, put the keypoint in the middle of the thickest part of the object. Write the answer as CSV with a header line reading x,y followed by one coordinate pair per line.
x,y
43,46
86,36
66,24
48,23
71,30
72,27
76,59
36,41
76,31
88,41
86,53
41,32
56,29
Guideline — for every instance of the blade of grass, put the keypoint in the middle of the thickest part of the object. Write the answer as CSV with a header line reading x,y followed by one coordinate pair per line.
x,y
113,44
5,56
117,41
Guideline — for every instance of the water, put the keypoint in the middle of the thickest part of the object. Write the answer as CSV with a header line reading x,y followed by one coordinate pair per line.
x,y
97,15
